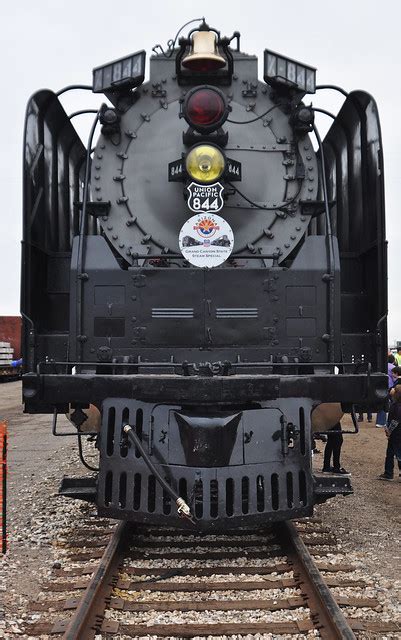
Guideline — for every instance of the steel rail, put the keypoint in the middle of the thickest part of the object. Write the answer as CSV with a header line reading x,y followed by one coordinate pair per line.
x,y
324,612
83,624
332,622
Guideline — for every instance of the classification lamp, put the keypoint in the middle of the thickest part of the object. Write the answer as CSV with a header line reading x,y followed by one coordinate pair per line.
x,y
205,109
205,163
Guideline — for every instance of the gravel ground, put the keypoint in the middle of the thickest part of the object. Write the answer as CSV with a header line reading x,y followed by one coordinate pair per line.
x,y
367,524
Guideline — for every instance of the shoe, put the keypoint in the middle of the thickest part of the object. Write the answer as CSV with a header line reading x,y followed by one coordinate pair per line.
x,y
369,419
384,476
327,470
340,470
380,426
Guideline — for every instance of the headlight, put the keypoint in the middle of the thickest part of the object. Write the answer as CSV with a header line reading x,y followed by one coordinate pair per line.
x,y
205,163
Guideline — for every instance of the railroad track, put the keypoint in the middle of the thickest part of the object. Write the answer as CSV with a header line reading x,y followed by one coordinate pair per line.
x,y
184,585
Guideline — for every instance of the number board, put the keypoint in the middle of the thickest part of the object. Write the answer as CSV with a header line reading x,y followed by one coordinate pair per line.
x,y
176,171
205,197
233,170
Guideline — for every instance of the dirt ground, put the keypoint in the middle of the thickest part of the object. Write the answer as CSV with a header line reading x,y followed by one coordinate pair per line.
x,y
367,523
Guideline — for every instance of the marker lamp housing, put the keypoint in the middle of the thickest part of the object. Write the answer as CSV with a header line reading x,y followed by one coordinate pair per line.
x,y
205,109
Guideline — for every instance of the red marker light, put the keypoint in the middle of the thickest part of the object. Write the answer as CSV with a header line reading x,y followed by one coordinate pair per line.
x,y
205,109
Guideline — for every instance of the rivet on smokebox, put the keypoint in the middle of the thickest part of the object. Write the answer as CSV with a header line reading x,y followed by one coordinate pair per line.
x,y
326,337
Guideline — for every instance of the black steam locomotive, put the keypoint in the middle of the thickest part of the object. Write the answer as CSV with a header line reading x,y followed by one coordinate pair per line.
x,y
203,288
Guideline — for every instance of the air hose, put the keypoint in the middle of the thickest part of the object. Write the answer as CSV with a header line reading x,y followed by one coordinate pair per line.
x,y
182,507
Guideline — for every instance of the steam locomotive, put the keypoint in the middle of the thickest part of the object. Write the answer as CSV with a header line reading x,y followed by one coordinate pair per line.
x,y
205,287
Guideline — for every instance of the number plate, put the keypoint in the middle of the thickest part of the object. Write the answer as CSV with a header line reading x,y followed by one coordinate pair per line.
x,y
203,198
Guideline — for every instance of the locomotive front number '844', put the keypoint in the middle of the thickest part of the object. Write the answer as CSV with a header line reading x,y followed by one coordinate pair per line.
x,y
203,281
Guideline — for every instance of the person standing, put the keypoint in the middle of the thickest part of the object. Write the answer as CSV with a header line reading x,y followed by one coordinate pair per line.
x,y
333,448
393,433
381,416
398,357
396,375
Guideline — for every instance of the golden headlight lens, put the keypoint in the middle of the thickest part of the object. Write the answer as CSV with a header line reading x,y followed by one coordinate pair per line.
x,y
205,163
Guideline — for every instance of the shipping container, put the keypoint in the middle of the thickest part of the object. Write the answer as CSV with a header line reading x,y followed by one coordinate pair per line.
x,y
10,331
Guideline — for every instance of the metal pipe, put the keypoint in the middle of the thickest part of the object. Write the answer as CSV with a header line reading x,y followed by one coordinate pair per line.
x,y
334,87
330,249
81,240
327,113
192,364
72,87
79,113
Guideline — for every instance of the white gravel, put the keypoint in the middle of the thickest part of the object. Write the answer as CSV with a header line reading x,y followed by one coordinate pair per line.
x,y
159,563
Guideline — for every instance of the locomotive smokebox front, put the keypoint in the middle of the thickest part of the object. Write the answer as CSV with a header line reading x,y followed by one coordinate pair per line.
x,y
278,169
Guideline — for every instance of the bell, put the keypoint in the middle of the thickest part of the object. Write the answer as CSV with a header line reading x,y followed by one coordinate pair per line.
x,y
204,54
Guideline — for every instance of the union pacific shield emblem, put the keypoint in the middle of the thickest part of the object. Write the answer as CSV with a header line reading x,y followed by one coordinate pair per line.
x,y
205,197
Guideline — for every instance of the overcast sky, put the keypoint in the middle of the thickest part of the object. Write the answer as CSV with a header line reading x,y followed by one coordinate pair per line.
x,y
53,43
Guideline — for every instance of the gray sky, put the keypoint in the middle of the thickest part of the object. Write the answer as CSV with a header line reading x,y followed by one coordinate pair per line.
x,y
53,43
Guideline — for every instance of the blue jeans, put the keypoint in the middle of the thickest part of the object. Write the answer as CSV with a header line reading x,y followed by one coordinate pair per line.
x,y
381,418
